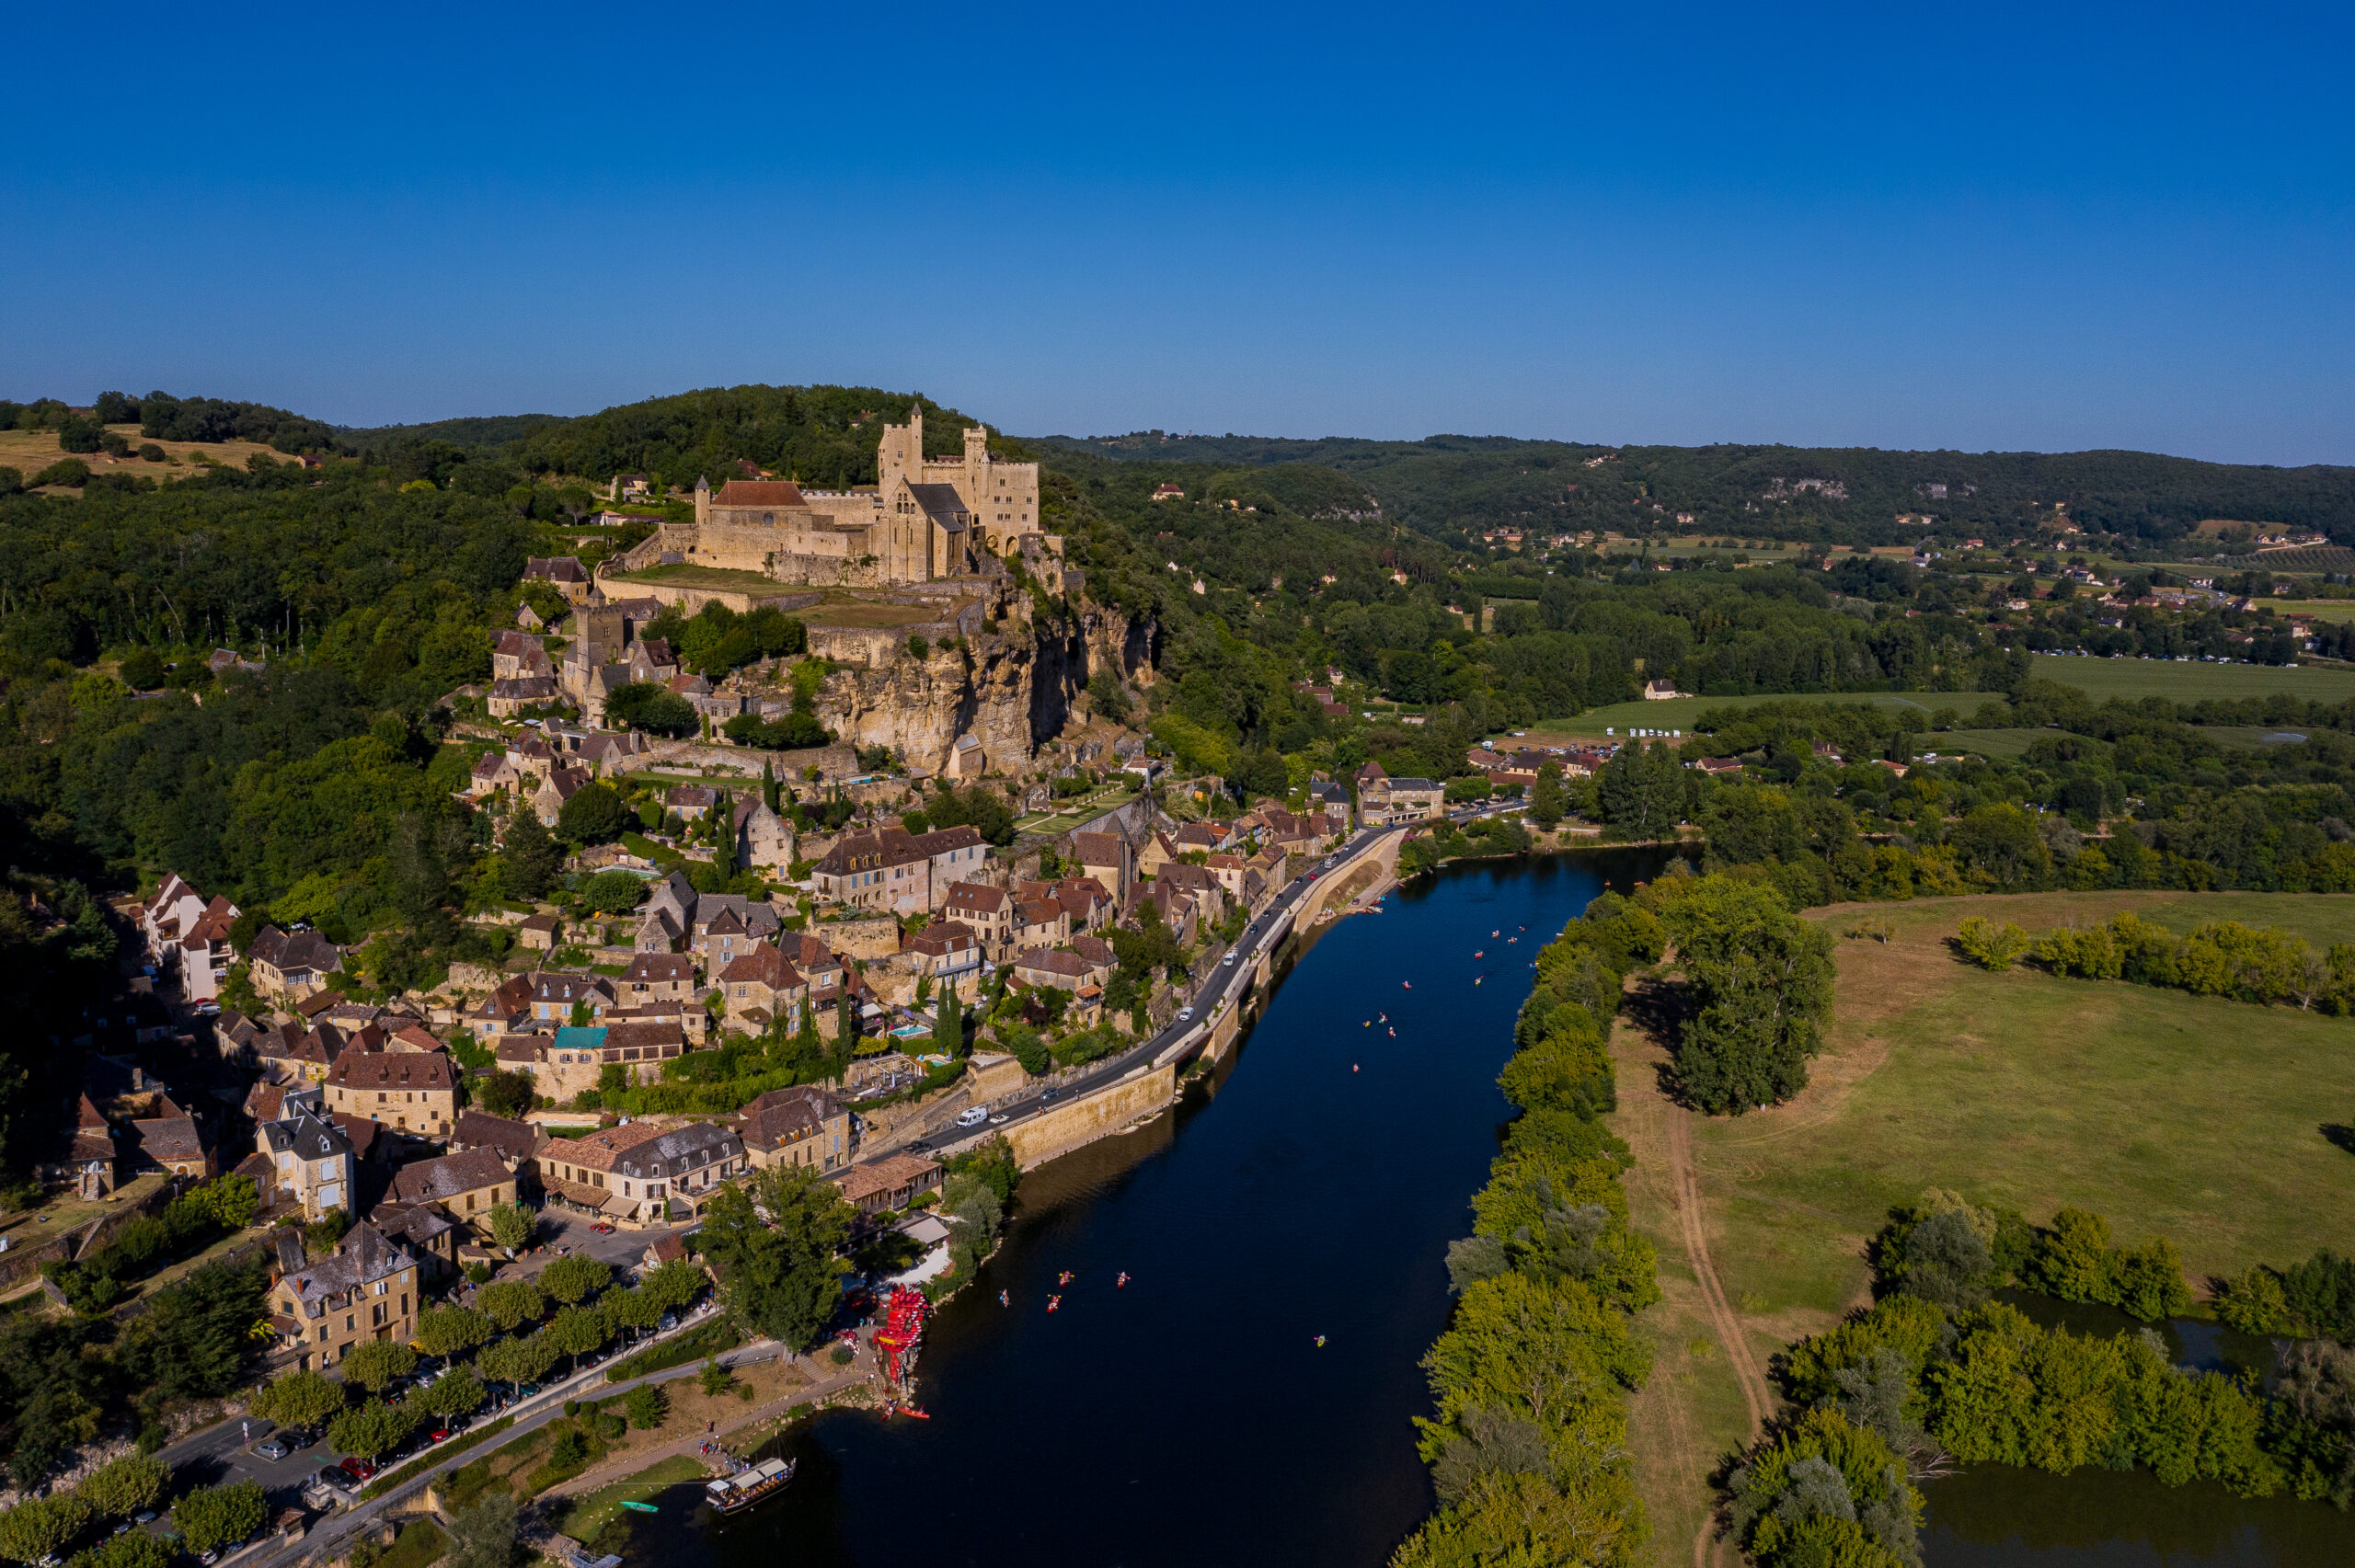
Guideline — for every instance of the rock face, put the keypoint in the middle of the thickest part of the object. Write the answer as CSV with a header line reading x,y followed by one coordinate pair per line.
x,y
1011,688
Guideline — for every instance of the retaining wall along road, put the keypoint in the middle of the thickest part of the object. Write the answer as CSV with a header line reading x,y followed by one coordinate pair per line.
x,y
1039,1138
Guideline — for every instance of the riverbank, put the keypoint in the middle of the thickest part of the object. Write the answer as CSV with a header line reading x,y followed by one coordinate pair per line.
x,y
1308,1185
2171,1114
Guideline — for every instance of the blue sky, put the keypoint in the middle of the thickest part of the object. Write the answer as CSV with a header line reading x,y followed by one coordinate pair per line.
x,y
1974,226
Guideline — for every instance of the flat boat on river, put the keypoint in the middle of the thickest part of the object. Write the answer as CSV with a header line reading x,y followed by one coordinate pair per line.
x,y
734,1493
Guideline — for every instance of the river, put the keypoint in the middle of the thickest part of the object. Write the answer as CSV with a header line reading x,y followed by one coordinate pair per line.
x,y
1309,1187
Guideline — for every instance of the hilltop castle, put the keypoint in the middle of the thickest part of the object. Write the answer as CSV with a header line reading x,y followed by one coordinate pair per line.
x,y
926,519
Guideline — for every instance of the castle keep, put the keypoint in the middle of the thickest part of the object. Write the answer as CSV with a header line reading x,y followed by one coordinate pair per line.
x,y
926,519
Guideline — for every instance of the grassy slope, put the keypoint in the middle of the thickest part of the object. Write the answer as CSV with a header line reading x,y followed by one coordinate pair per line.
x,y
2196,1117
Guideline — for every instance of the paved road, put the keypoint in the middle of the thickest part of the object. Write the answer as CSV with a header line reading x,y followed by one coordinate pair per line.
x,y
328,1538
1222,978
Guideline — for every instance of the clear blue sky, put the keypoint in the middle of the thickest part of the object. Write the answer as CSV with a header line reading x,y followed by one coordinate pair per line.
x,y
1973,225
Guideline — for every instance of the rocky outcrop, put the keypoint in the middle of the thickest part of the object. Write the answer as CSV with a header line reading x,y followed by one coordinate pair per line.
x,y
1012,689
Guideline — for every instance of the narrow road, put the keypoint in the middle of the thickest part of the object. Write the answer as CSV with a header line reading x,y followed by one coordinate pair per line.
x,y
936,1139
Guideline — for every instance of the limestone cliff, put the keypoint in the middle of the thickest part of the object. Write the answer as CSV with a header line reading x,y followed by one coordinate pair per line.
x,y
1012,689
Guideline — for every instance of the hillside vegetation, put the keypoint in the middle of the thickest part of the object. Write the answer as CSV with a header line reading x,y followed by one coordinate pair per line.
x,y
1851,494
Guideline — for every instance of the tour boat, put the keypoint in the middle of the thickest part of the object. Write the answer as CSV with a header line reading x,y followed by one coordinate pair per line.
x,y
734,1493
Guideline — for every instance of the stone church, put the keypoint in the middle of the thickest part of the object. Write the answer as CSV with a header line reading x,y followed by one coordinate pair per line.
x,y
927,519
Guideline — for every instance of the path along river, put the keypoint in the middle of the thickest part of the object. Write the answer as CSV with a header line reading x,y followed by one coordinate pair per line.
x,y
1310,1188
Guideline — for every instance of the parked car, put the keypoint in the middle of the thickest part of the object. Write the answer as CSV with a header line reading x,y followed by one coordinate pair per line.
x,y
669,1321
272,1448
357,1468
602,1229
438,1434
299,1439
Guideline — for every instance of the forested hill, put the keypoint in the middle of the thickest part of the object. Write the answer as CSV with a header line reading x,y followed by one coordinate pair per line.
x,y
818,435
1832,494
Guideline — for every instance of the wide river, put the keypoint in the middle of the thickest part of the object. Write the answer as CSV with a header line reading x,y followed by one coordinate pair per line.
x,y
1309,1188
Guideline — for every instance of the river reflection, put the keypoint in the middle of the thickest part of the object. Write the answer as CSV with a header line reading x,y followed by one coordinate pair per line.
x,y
1309,1187
1994,1516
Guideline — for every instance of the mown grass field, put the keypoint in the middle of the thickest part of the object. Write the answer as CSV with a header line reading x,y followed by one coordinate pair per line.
x,y
2320,609
1678,713
2195,1118
2136,677
2169,1113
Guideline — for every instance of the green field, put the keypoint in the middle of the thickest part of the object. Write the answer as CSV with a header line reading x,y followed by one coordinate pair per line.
x,y
679,574
2193,1118
2320,609
2136,677
1678,713
1999,744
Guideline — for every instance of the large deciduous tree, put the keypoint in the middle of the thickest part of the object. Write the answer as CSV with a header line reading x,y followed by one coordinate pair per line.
x,y
779,1275
1761,979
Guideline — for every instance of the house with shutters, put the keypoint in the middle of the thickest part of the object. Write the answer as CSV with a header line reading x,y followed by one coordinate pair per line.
x,y
949,953
801,1125
413,1091
1108,859
642,1173
899,871
366,1289
988,913
657,977
707,924
311,1164
467,1185
761,987
556,994
289,966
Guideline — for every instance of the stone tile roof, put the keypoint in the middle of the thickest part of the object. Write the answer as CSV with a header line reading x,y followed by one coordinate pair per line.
x,y
438,1181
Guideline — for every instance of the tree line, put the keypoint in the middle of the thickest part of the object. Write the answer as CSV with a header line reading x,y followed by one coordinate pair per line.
x,y
1527,1441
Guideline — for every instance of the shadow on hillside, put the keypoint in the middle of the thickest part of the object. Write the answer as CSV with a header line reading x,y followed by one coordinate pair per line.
x,y
2341,1135
1661,1007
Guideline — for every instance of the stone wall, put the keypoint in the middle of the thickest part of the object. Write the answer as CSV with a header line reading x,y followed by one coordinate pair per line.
x,y
1083,1120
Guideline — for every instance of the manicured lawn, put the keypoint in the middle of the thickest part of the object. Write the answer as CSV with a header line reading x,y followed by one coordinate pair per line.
x,y
2133,678
1678,713
678,574
2191,1116
1071,813
588,1513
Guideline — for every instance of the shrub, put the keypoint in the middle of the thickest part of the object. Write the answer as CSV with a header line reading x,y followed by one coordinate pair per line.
x,y
1989,946
646,1405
